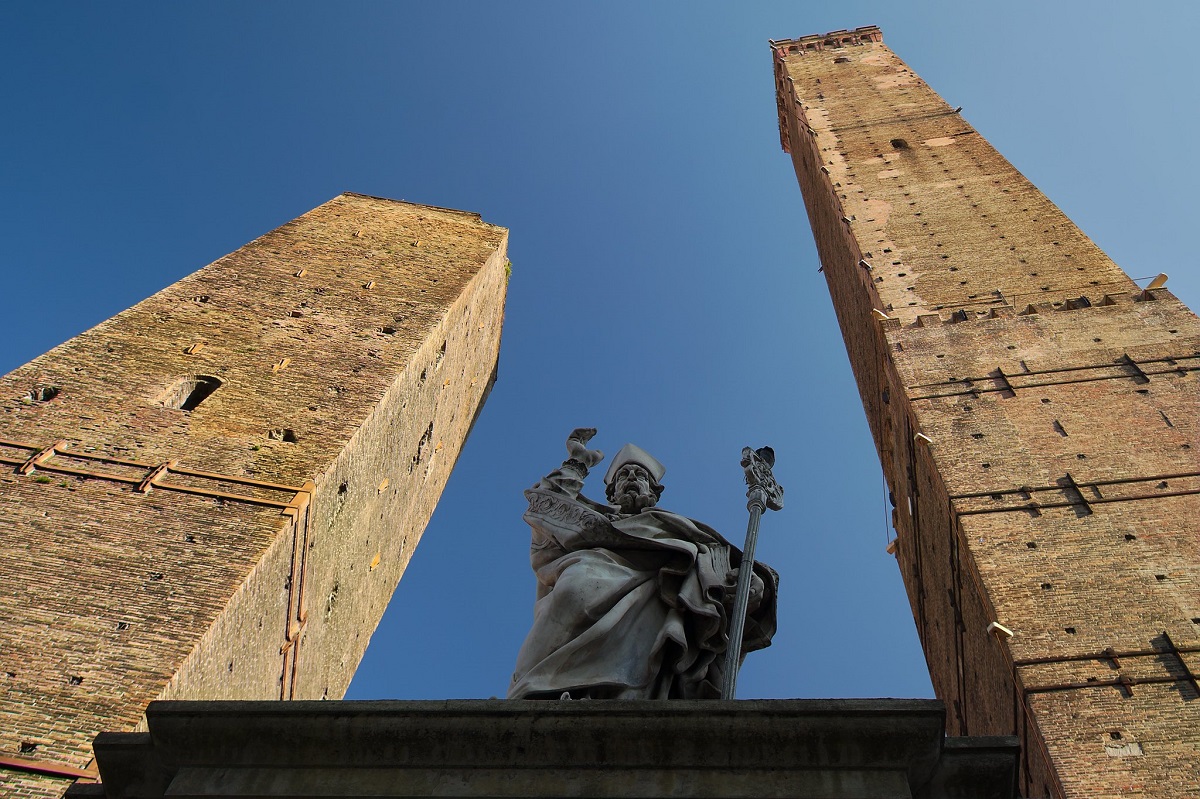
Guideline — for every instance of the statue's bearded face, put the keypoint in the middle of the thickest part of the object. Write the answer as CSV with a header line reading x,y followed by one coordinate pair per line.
x,y
632,489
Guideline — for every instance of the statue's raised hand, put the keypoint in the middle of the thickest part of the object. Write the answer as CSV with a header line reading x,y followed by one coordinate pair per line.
x,y
577,447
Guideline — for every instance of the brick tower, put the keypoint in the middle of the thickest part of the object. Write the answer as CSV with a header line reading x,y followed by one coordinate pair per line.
x,y
1036,417
214,493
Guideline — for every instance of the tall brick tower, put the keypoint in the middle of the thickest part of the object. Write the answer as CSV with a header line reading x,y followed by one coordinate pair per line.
x,y
1036,417
214,493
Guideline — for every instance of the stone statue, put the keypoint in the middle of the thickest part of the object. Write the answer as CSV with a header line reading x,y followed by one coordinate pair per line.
x,y
632,602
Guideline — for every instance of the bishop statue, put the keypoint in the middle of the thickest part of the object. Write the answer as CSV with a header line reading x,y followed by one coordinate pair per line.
x,y
633,602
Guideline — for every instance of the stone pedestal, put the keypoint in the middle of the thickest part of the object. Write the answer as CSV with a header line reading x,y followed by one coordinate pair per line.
x,y
801,749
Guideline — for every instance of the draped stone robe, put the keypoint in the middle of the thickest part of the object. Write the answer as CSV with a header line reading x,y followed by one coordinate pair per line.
x,y
629,606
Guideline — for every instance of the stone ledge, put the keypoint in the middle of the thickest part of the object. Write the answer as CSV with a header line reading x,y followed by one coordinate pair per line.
x,y
496,748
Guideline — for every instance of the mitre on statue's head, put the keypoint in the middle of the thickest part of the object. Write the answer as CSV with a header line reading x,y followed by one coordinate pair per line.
x,y
632,453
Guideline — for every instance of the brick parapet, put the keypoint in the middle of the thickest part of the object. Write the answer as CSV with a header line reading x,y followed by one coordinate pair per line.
x,y
832,39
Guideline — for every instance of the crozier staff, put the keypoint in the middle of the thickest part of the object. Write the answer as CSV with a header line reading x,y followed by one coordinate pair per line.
x,y
633,602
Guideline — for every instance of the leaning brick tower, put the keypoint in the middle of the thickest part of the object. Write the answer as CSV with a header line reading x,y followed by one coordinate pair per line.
x,y
1036,417
214,493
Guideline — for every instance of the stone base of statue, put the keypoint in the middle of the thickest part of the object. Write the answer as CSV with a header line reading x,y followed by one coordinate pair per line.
x,y
801,749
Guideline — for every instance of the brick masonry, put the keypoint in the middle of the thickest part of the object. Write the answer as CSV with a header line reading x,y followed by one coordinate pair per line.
x,y
1035,415
352,349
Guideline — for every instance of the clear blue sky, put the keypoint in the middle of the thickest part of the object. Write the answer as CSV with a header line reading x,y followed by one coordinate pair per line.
x,y
665,286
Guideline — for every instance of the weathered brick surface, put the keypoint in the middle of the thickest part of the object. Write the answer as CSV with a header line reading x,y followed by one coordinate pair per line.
x,y
1035,414
354,346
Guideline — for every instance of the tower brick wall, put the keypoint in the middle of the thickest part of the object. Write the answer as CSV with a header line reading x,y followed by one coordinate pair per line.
x,y
244,548
1035,414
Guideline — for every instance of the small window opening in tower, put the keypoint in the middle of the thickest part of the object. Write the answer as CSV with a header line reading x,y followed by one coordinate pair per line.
x,y
188,392
43,393
899,144
440,356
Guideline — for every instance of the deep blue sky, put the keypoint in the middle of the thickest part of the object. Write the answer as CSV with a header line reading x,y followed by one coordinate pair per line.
x,y
664,288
